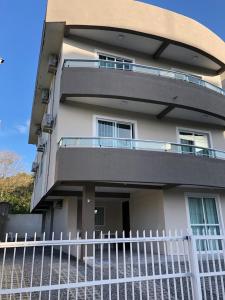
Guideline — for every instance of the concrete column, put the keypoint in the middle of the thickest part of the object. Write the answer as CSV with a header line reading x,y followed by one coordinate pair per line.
x,y
88,216
51,221
88,210
43,225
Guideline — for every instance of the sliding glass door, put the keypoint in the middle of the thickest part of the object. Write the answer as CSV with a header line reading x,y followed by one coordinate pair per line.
x,y
118,134
193,140
204,219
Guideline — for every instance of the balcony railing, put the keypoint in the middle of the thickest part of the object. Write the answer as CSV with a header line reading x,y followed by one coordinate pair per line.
x,y
131,67
147,145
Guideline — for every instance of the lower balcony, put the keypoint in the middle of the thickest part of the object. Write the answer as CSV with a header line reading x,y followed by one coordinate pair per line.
x,y
130,162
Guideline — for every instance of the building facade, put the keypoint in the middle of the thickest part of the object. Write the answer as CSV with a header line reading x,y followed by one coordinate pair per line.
x,y
128,118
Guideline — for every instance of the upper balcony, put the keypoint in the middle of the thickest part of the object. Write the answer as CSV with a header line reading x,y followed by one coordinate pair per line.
x,y
133,162
141,88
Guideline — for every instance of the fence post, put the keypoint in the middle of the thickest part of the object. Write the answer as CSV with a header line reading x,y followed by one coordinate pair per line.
x,y
194,267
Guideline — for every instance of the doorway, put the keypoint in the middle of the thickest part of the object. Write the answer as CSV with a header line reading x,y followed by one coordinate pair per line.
x,y
126,217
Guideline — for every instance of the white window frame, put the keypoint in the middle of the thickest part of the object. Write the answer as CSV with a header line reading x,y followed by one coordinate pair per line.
x,y
113,119
194,130
103,216
205,195
114,55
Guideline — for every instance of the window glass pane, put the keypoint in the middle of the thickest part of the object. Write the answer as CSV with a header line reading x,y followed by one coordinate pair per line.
x,y
119,66
196,211
105,128
203,210
107,62
210,211
124,131
128,67
186,138
99,216
201,140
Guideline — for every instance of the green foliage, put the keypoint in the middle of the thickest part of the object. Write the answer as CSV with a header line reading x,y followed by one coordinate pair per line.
x,y
17,190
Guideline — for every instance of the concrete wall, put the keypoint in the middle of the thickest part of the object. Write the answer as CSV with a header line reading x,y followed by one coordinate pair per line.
x,y
146,211
175,210
65,218
113,215
24,223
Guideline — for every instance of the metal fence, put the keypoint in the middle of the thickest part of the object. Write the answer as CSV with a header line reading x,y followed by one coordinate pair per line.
x,y
114,266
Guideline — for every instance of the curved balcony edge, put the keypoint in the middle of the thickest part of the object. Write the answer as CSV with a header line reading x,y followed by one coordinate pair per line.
x,y
138,166
142,87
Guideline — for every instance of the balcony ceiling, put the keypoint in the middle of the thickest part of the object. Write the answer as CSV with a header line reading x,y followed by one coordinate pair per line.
x,y
148,108
158,48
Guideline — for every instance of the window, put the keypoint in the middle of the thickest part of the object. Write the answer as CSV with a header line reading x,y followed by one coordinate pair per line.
x,y
99,216
193,140
113,62
118,134
204,219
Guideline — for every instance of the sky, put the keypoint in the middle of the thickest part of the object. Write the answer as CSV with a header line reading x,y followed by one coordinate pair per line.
x,y
21,23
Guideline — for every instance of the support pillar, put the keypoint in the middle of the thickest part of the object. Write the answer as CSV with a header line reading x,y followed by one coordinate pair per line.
x,y
51,222
88,215
43,224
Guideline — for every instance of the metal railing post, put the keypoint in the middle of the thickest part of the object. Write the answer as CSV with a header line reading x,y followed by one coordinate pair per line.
x,y
194,267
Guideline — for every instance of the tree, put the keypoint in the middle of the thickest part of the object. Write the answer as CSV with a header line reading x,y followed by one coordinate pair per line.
x,y
17,190
10,164
15,185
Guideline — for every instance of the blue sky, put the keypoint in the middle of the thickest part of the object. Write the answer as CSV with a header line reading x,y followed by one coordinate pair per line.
x,y
20,35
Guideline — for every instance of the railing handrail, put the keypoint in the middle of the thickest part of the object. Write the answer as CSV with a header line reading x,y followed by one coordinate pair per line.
x,y
140,140
188,75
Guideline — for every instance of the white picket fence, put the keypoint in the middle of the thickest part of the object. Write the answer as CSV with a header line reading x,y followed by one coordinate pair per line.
x,y
112,266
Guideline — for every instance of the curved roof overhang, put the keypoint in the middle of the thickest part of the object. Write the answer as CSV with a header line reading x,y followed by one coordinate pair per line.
x,y
165,36
181,38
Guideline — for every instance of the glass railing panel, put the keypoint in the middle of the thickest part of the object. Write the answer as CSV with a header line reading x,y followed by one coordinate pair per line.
x,y
219,154
181,76
194,80
101,142
126,66
165,73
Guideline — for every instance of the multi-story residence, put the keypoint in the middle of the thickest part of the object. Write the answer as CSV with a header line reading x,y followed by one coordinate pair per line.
x,y
128,118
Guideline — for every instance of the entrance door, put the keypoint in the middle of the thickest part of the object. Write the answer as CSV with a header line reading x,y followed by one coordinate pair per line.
x,y
126,218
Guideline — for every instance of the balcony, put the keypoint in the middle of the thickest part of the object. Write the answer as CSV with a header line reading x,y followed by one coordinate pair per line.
x,y
143,89
108,160
165,73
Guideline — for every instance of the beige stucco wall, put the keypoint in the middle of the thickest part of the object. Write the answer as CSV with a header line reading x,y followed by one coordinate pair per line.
x,y
77,120
146,211
175,210
113,215
65,219
137,16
